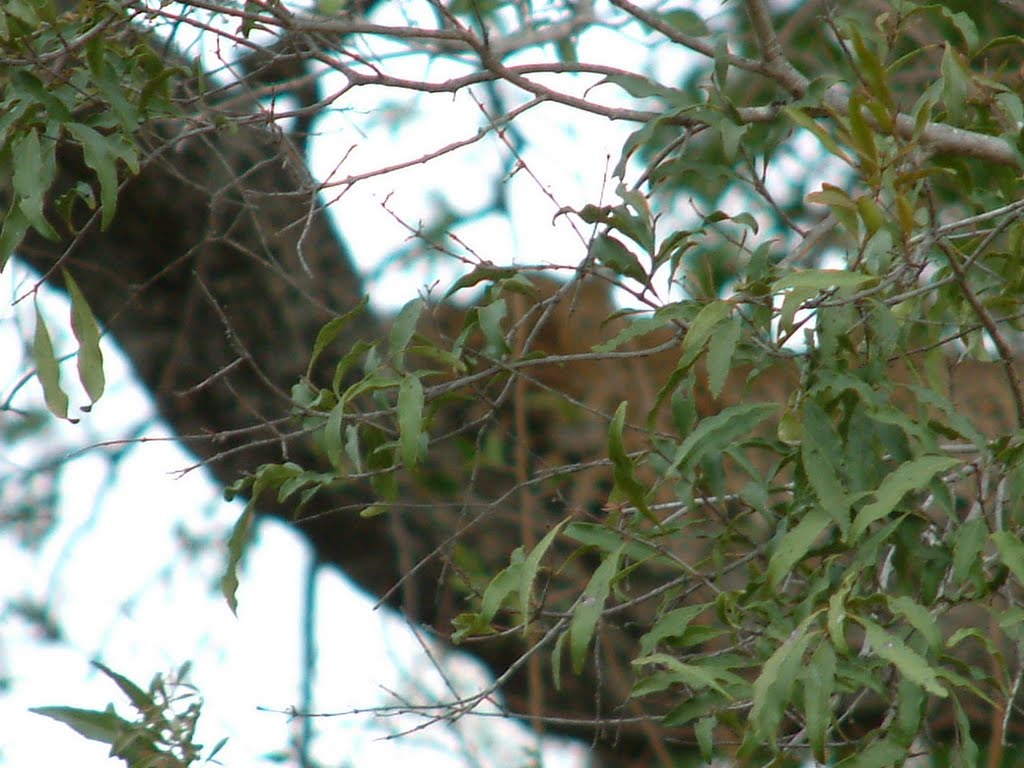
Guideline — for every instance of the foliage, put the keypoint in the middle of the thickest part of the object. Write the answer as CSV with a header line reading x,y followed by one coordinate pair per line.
x,y
162,736
797,567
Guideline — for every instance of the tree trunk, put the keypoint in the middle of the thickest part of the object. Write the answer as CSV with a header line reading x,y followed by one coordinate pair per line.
x,y
215,276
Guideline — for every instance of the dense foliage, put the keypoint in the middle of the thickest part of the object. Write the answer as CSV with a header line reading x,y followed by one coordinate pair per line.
x,y
771,509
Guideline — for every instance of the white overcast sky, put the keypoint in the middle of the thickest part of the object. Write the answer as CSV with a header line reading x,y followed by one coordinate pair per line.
x,y
111,571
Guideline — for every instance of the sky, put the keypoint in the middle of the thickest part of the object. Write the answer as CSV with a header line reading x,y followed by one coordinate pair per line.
x,y
114,572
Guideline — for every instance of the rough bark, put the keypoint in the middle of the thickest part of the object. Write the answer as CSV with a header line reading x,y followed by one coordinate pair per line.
x,y
217,273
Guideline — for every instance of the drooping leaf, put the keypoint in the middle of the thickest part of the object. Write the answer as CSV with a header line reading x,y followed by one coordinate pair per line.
x,y
912,475
623,470
819,678
402,330
796,543
909,662
410,419
48,369
86,330
588,611
774,686
531,564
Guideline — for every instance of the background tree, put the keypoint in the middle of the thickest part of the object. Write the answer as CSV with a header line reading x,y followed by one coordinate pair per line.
x,y
784,540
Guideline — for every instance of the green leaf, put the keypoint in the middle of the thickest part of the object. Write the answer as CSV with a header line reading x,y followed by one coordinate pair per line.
x,y
822,279
970,542
479,275
679,672
687,22
919,617
238,545
774,685
15,226
819,684
101,154
955,84
588,610
529,571
716,432
820,456
721,348
402,330
410,419
623,470
490,316
105,727
837,616
48,369
699,333
875,755
910,476
141,700
610,252
1011,552
86,330
806,122
910,664
333,442
508,580
672,624
31,179
704,731
330,332
795,544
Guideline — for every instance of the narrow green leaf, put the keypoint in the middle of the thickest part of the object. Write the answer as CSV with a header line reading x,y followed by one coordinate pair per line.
x,y
330,332
410,419
588,610
481,274
238,544
86,330
402,330
15,226
333,442
822,279
32,175
820,456
141,700
508,580
623,470
716,432
679,672
909,662
704,731
101,154
919,617
912,475
819,685
699,333
672,624
774,685
529,571
686,21
490,316
612,253
955,84
105,727
803,120
796,543
836,618
48,369
970,542
875,755
1011,552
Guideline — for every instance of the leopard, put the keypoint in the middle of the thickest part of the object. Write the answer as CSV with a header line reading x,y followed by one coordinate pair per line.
x,y
571,360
